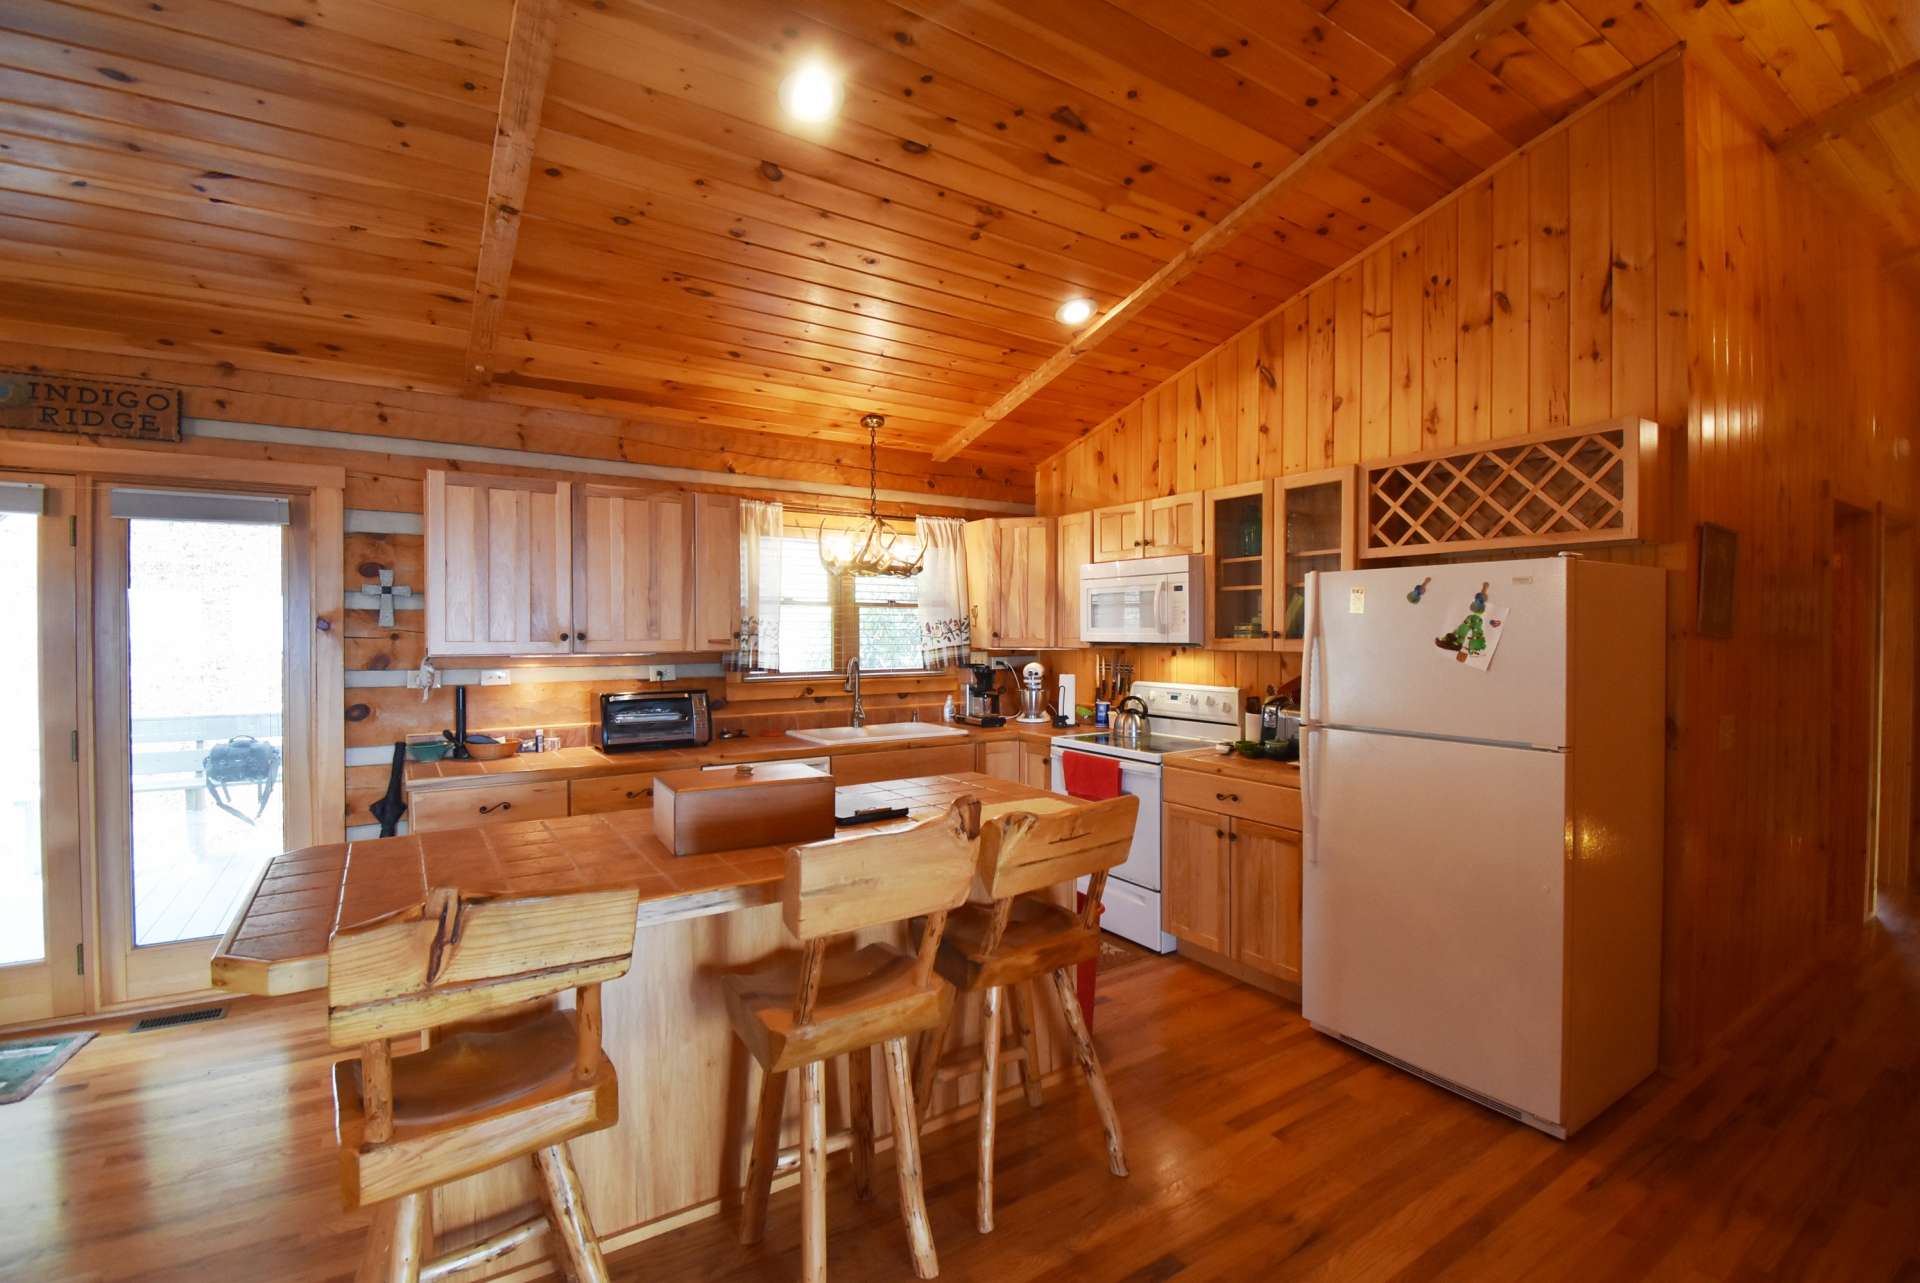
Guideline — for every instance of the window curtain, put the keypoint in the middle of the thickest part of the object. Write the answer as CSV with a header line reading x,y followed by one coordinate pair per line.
x,y
945,633
762,526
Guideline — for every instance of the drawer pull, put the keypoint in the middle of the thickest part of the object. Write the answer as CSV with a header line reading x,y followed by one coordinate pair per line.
x,y
1226,797
497,806
634,793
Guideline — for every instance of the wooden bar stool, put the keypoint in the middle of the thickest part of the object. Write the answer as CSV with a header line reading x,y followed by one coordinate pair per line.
x,y
507,1074
804,1007
1002,948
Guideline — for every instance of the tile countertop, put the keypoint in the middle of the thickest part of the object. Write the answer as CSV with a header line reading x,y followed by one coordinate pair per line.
x,y
586,763
1234,766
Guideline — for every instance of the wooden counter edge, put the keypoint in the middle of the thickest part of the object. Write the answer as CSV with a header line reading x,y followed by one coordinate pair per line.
x,y
776,748
1233,766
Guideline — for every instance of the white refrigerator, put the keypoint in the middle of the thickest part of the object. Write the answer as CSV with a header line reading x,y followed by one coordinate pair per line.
x,y
1483,777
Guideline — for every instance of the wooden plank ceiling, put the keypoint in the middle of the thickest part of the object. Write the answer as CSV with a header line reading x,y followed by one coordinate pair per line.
x,y
302,185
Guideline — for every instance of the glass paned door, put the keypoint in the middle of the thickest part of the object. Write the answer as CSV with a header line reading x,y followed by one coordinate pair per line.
x,y
41,958
195,771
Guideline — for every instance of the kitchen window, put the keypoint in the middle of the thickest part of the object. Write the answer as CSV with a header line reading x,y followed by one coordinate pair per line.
x,y
827,619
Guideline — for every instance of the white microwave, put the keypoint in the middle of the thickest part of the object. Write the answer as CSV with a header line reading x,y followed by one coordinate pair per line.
x,y
1153,602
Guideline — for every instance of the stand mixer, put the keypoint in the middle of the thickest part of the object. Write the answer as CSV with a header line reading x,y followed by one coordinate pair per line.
x,y
1032,697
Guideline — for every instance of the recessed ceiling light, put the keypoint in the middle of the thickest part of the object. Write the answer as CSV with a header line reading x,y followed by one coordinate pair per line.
x,y
811,92
1075,311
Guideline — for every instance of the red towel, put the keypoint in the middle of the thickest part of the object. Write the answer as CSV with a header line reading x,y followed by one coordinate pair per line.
x,y
1090,778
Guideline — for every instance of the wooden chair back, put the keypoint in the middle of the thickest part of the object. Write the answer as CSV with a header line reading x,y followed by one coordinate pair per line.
x,y
455,957
1022,852
836,887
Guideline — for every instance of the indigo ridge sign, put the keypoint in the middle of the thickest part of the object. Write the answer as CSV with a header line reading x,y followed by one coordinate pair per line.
x,y
92,407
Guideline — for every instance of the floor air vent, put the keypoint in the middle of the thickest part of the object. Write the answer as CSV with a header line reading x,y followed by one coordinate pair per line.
x,y
172,1018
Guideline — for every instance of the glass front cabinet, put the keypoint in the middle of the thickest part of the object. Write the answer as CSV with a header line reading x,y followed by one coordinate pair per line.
x,y
1264,538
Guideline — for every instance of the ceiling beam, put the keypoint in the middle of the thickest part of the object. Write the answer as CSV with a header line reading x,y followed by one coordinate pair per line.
x,y
1851,112
523,87
1427,70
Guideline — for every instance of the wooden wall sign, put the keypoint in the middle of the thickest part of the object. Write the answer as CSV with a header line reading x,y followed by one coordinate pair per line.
x,y
91,407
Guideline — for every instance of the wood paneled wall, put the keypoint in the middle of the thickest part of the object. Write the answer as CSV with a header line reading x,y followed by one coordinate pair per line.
x,y
1549,292
1805,392
1650,257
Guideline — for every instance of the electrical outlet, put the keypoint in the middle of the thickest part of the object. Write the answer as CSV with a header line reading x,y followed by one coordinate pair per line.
x,y
663,672
495,677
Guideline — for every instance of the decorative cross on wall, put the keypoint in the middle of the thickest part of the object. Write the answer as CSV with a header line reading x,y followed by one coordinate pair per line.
x,y
386,590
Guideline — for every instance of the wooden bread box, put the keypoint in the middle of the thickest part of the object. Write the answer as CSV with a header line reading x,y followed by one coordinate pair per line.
x,y
697,811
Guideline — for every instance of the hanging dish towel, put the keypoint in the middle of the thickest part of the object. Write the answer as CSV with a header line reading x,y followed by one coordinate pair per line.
x,y
1090,778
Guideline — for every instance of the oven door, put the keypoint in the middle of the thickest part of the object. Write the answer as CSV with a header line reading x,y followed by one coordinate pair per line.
x,y
1128,608
1142,780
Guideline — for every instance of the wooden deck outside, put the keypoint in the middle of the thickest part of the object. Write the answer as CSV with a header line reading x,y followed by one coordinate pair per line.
x,y
1259,1150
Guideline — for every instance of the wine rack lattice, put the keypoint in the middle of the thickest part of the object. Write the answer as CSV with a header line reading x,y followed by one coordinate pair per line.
x,y
1572,487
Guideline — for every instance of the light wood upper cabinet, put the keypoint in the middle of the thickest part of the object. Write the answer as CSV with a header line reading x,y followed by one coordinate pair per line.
x,y
1193,896
1117,532
1314,529
1010,582
630,589
1264,889
1240,533
716,573
498,555
1170,526
1173,525
1073,539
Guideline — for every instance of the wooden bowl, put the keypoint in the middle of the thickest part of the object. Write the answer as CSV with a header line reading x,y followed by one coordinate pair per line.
x,y
492,752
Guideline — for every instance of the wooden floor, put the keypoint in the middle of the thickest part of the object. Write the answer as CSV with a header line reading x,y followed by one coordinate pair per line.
x,y
1259,1150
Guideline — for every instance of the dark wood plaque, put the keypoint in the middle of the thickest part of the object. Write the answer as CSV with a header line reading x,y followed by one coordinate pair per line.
x,y
89,407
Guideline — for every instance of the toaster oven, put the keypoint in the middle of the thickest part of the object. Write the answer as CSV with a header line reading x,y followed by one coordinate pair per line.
x,y
632,720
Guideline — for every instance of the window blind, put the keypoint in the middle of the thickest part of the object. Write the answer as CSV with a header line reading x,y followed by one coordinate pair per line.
x,y
195,505
27,497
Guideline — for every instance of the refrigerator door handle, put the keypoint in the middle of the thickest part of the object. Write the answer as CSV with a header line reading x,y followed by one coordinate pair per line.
x,y
1309,797
1310,705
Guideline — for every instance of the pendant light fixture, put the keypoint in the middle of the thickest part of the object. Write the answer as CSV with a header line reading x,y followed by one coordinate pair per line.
x,y
872,547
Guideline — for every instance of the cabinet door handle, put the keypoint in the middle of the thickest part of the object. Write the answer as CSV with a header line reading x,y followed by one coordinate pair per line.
x,y
497,806
1219,833
566,636
1233,837
1226,797
634,793
579,636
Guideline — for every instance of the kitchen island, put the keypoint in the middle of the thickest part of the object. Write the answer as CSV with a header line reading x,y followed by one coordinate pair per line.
x,y
678,1152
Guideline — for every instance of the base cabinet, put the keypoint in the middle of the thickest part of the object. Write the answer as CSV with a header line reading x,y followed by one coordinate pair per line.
x,y
1194,894
1231,884
1002,759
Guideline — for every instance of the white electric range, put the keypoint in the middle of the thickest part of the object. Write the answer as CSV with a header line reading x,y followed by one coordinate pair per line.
x,y
1179,718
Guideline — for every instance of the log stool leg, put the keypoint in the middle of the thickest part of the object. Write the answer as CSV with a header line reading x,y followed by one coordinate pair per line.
x,y
906,1149
989,1105
813,1173
1021,996
860,1120
766,1154
397,1243
568,1211
1090,1066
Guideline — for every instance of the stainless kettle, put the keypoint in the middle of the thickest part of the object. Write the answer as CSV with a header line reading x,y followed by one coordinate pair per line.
x,y
1130,718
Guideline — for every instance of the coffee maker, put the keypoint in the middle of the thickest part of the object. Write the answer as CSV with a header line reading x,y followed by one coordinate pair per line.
x,y
982,693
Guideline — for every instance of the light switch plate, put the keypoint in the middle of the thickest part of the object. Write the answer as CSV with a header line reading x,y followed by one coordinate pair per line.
x,y
495,677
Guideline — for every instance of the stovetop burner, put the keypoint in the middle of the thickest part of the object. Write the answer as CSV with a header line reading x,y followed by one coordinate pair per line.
x,y
1157,745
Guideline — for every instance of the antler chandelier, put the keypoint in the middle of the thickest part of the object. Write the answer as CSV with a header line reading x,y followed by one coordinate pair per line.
x,y
872,547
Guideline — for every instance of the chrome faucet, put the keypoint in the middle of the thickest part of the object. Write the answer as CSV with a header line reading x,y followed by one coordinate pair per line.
x,y
853,684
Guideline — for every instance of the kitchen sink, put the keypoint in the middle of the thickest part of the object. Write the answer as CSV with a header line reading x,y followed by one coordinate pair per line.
x,y
878,733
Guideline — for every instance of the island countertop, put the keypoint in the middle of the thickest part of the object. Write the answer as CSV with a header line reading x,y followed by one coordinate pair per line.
x,y
277,944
